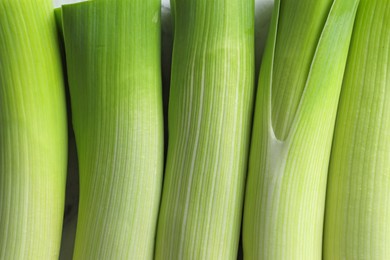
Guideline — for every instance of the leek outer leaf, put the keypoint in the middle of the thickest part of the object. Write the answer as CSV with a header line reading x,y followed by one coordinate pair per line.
x,y
357,220
290,149
33,132
113,59
209,123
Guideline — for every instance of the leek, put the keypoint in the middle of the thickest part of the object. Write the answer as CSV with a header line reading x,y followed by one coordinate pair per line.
x,y
113,59
299,86
33,132
357,220
209,120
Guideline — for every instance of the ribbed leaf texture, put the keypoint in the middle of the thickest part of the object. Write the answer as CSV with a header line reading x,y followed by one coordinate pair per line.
x,y
33,132
357,221
209,122
113,59
299,87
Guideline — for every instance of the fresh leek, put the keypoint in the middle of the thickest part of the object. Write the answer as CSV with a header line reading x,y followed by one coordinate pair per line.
x,y
33,132
209,121
299,86
113,59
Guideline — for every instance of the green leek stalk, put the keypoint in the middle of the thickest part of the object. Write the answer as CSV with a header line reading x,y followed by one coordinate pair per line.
x,y
209,121
357,220
33,132
113,59
296,105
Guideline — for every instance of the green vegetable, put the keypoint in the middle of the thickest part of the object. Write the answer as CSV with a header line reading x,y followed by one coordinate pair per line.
x,y
33,132
296,105
357,221
113,57
209,122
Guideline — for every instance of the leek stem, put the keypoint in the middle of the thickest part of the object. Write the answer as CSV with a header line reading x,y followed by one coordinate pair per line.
x,y
299,86
210,110
33,132
113,57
